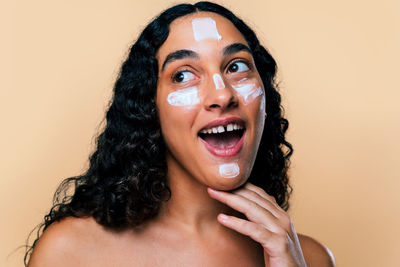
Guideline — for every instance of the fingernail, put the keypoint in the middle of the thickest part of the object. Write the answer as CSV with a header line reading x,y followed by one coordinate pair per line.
x,y
212,190
223,217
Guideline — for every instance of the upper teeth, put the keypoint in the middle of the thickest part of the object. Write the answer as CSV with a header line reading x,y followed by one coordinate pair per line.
x,y
220,129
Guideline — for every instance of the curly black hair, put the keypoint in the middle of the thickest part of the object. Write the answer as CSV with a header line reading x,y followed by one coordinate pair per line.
x,y
126,181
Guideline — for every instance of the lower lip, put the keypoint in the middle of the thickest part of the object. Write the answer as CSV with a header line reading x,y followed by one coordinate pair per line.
x,y
227,152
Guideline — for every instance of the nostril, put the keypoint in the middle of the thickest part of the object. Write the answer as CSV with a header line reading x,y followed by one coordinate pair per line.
x,y
232,104
222,98
214,106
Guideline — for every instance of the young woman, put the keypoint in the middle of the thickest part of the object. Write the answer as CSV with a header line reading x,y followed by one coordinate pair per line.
x,y
191,168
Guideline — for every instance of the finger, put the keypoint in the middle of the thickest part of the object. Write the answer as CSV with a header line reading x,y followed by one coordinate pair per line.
x,y
251,229
260,191
264,194
253,196
252,210
268,239
283,217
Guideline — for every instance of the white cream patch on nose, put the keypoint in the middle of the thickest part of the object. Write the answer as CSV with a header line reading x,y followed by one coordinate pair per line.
x,y
184,97
229,170
249,91
219,83
205,28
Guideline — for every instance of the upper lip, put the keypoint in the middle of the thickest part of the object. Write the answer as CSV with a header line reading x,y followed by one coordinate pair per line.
x,y
224,122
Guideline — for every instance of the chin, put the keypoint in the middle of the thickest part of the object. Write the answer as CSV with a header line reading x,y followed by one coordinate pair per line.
x,y
227,176
228,184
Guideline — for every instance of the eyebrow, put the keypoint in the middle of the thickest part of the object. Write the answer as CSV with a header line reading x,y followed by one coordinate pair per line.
x,y
184,53
234,48
179,54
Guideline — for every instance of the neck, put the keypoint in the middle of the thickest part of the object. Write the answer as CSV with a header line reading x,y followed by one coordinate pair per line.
x,y
190,207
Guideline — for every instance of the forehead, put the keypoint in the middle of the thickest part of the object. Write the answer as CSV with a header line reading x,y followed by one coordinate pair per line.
x,y
185,31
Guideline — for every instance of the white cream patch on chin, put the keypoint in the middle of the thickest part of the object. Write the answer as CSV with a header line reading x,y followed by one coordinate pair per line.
x,y
184,97
229,170
205,28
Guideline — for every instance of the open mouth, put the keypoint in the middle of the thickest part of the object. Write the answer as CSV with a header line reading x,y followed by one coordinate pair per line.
x,y
223,140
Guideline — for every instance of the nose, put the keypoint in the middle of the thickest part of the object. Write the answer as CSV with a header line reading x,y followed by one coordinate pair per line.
x,y
219,94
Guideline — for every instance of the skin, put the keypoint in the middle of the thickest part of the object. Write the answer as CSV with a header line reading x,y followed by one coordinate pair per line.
x,y
202,224
180,125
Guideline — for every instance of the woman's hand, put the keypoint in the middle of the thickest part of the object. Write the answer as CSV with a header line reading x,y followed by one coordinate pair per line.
x,y
267,224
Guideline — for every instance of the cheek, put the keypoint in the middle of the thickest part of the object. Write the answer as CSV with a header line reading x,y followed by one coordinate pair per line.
x,y
187,98
175,126
259,110
248,89
177,111
262,114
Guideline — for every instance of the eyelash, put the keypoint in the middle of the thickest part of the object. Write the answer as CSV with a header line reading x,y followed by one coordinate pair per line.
x,y
174,76
239,61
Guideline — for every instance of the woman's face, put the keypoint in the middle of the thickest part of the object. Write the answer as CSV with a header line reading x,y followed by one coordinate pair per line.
x,y
210,100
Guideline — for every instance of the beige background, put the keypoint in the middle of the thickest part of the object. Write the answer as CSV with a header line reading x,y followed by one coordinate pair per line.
x,y
339,67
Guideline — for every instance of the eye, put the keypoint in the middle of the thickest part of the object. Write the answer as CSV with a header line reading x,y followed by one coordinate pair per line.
x,y
183,76
238,66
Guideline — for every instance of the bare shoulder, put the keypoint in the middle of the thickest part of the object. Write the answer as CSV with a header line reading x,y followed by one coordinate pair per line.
x,y
315,253
65,243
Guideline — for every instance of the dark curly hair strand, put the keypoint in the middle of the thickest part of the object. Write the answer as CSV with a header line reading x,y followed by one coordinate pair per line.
x,y
126,182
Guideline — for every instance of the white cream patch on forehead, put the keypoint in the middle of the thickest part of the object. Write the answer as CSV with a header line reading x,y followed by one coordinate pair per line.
x,y
219,83
205,28
229,170
184,97
249,91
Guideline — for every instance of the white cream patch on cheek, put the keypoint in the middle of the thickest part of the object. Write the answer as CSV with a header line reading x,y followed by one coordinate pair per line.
x,y
248,91
184,97
262,118
229,170
205,28
262,106
219,83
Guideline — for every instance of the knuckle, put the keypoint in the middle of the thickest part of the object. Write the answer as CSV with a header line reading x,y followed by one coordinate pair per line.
x,y
286,221
233,199
268,196
253,206
249,209
250,228
259,232
243,224
256,189
281,234
253,194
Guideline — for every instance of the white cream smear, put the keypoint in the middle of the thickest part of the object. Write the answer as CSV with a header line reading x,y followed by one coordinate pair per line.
x,y
184,97
205,28
249,91
229,170
219,83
